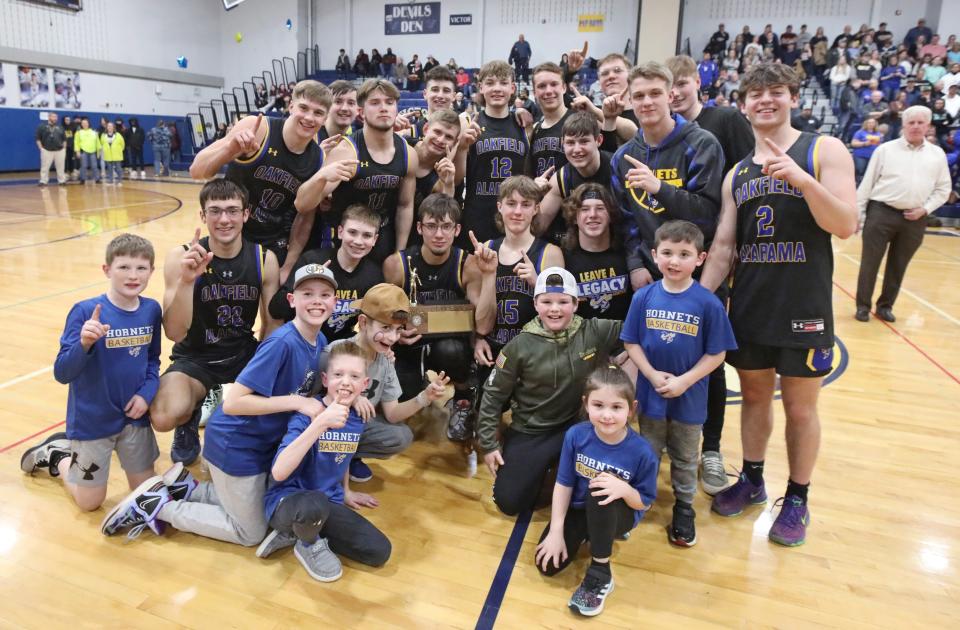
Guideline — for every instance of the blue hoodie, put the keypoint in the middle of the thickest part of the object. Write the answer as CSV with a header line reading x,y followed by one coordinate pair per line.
x,y
689,162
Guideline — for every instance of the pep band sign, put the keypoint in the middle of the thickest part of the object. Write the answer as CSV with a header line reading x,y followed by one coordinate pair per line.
x,y
411,19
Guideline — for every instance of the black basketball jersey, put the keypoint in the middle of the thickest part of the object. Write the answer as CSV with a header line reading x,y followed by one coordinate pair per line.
x,y
272,178
375,185
437,284
351,286
569,177
499,153
416,129
424,188
546,145
603,280
226,300
514,296
782,289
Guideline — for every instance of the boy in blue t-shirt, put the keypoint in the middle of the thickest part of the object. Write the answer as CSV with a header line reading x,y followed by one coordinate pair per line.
x,y
243,434
677,333
309,500
110,357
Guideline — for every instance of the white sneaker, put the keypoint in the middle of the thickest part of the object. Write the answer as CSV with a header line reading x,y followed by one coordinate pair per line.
x,y
210,403
143,174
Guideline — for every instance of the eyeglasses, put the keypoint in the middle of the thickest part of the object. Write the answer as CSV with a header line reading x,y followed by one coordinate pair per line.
x,y
446,228
216,213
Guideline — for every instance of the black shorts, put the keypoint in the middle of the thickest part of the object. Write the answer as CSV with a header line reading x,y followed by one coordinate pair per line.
x,y
802,362
211,371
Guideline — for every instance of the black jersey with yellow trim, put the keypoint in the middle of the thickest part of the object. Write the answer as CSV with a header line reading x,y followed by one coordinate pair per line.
x,y
272,176
782,289
514,295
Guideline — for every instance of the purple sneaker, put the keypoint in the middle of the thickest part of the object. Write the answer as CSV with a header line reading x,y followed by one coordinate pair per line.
x,y
732,501
790,528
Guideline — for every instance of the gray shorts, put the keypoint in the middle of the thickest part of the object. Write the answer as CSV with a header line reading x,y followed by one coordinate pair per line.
x,y
136,448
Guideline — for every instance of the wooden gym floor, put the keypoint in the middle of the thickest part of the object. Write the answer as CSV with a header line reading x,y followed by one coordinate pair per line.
x,y
883,548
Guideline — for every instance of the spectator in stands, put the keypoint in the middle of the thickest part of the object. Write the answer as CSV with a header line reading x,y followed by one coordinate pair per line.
x,y
874,107
935,71
883,37
174,141
343,64
789,55
892,120
460,103
718,42
708,70
952,101
753,47
953,55
920,30
361,64
934,48
221,131
376,63
940,120
846,37
818,46
788,36
850,108
389,61
731,63
865,141
159,137
769,39
805,120
463,80
520,55
564,63
840,75
804,36
414,74
430,64
51,141
259,96
952,77
890,78
731,85
452,65
864,70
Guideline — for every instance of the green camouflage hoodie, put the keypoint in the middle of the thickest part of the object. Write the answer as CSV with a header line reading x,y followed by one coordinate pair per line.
x,y
542,374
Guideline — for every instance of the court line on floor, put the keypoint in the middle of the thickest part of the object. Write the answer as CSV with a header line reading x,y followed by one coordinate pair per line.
x,y
35,217
99,283
31,436
932,307
25,377
491,606
906,339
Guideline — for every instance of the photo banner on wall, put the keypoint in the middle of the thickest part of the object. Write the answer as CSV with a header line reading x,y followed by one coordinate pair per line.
x,y
416,18
66,87
34,86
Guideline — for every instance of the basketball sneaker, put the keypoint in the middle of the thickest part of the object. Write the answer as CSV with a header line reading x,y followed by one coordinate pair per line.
x,y
321,563
186,440
736,498
359,471
210,403
589,597
461,419
713,477
682,531
275,541
790,527
138,510
46,454
180,482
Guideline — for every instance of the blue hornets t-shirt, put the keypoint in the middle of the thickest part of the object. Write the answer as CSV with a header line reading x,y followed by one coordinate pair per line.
x,y
675,330
322,467
284,364
122,363
584,456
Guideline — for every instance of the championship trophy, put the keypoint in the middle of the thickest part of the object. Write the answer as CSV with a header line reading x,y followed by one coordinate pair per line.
x,y
438,319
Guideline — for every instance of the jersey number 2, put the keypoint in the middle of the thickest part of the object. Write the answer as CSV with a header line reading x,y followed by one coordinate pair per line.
x,y
764,221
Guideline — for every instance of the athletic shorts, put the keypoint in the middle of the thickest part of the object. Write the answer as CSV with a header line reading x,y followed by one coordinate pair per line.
x,y
802,362
211,372
136,448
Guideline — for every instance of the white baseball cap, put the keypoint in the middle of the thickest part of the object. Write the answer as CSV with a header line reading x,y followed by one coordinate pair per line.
x,y
569,283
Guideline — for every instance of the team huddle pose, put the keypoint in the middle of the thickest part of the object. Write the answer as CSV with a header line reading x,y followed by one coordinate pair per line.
x,y
592,251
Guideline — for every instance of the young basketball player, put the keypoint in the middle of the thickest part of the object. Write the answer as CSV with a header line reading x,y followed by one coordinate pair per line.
x,y
436,151
781,204
438,91
271,160
343,111
110,357
214,288
380,173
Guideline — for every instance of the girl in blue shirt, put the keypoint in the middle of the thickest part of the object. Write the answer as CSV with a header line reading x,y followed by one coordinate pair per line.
x,y
606,479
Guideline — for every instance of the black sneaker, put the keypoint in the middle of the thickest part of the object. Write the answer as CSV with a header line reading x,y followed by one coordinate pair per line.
x,y
462,419
46,454
682,532
589,597
186,440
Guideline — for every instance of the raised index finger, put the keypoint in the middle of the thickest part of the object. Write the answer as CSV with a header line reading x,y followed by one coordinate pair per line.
x,y
473,239
96,313
196,238
256,125
775,147
586,45
633,160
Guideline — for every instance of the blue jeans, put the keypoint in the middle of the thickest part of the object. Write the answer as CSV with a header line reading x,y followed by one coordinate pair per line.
x,y
89,160
161,155
114,171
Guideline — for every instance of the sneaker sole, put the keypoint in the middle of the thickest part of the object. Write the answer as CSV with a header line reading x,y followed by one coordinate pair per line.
x,y
172,473
315,576
784,543
679,542
143,487
749,505
596,611
264,548
360,479
30,451
711,489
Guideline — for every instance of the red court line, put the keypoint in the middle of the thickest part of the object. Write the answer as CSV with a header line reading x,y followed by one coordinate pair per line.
x,y
30,437
902,336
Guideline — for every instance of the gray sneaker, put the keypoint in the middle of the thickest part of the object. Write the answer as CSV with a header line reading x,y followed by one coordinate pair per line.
x,y
713,476
275,541
321,563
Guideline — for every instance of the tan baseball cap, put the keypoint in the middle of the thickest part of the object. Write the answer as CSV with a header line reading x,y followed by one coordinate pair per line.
x,y
385,303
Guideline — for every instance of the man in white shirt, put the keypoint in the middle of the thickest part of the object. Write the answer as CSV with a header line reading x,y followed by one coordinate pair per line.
x,y
906,180
951,101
